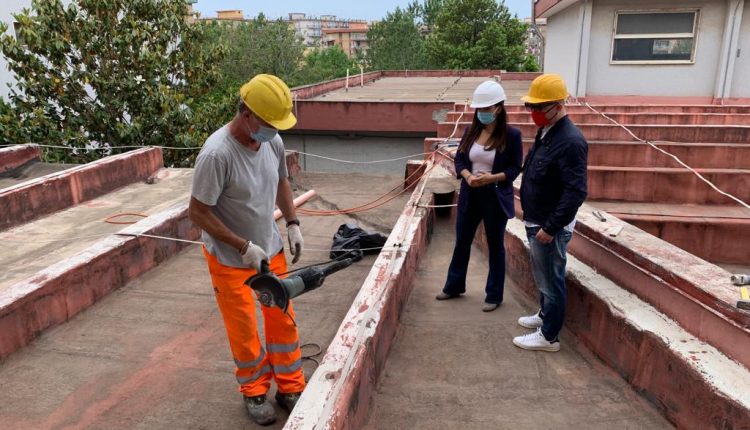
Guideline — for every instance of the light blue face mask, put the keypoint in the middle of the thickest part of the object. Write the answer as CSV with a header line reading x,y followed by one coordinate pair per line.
x,y
264,134
486,118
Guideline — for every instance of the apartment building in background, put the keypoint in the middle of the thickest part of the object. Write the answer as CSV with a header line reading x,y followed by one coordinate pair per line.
x,y
316,31
351,40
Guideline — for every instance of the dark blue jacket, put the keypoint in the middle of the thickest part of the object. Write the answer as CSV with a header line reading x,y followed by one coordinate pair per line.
x,y
507,161
553,186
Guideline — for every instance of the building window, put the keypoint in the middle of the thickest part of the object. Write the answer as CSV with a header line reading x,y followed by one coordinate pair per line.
x,y
654,37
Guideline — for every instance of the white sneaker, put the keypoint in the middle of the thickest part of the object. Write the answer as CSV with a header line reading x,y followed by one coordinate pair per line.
x,y
536,342
531,321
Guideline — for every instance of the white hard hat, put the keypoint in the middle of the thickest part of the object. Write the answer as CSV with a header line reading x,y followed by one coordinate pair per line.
x,y
488,93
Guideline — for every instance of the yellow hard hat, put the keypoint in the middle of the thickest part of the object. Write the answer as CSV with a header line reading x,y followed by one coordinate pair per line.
x,y
546,88
269,98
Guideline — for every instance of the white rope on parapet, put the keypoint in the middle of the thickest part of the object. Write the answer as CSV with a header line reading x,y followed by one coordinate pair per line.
x,y
338,160
682,163
174,239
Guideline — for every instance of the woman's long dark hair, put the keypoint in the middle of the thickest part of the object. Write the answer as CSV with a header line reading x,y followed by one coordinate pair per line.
x,y
497,138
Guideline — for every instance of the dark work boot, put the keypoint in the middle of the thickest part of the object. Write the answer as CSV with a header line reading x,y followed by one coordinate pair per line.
x,y
287,400
260,409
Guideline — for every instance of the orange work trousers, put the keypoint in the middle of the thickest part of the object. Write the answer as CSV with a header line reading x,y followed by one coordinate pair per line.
x,y
281,357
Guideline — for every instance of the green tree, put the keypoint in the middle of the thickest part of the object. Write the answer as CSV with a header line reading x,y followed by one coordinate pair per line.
x,y
325,64
476,34
396,42
258,46
107,74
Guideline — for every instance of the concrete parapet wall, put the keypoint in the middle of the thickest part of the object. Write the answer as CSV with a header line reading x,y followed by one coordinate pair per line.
x,y
51,193
372,117
692,383
314,90
57,293
13,157
696,294
339,392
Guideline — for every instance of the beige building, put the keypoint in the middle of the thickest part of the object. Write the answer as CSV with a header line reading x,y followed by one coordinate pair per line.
x,y
311,29
670,48
351,40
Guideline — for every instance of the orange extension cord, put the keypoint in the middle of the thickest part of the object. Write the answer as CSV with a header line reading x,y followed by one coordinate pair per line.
x,y
377,202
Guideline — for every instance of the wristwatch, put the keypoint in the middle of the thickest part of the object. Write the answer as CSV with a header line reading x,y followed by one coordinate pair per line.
x,y
292,222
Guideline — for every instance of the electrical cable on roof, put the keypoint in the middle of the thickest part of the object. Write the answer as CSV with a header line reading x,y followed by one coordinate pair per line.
x,y
701,177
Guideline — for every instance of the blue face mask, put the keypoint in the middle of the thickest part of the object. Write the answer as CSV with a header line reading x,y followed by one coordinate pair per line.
x,y
486,118
264,134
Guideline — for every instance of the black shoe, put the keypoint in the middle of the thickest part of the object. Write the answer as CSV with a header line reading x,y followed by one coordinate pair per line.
x,y
260,409
446,296
287,400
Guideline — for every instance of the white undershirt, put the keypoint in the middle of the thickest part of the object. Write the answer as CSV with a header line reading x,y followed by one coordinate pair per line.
x,y
481,159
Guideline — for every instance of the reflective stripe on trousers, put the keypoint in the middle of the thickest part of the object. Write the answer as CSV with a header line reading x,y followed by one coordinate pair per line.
x,y
281,360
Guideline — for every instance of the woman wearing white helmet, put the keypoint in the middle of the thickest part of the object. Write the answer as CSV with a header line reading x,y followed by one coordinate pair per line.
x,y
488,160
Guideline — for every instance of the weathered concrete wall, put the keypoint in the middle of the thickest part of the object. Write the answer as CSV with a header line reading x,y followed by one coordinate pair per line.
x,y
369,117
51,193
13,157
362,149
60,291
338,394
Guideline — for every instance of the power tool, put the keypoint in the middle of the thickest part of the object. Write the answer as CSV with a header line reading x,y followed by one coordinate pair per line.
x,y
273,291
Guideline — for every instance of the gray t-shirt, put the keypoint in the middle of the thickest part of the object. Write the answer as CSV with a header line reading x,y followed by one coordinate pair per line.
x,y
240,184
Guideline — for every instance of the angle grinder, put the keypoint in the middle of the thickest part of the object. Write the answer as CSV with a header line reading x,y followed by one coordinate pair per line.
x,y
273,291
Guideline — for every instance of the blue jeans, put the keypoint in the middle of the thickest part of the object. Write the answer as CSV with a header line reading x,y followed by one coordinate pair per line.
x,y
548,268
482,206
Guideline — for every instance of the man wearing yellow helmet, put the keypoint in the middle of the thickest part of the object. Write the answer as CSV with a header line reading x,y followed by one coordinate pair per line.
x,y
239,177
553,187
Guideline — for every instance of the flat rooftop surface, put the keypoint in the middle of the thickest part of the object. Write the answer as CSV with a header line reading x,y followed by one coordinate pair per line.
x,y
154,354
453,366
421,89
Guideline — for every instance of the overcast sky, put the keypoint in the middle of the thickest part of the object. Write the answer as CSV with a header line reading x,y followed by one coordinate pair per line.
x,y
369,10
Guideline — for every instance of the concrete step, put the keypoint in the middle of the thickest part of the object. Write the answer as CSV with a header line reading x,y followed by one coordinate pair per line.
x,y
666,185
611,132
717,233
638,154
635,108
661,118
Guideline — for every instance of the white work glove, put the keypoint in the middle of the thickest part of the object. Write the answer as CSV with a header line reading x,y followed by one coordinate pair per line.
x,y
253,255
296,243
